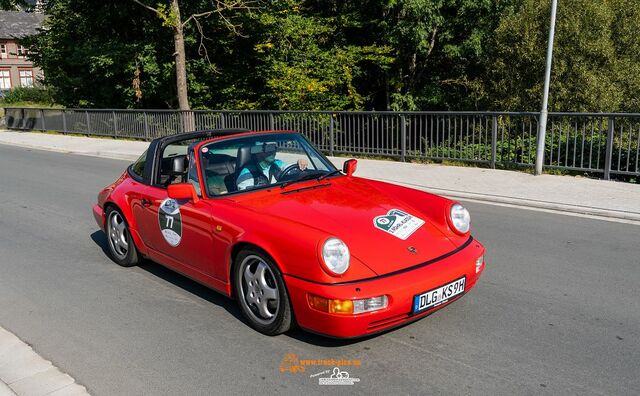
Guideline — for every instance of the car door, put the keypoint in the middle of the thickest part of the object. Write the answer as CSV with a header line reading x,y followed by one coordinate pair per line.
x,y
144,206
176,229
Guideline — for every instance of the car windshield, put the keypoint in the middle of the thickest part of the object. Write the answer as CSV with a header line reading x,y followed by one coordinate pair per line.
x,y
260,161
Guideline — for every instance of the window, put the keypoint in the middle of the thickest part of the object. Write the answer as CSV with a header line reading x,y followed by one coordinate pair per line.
x,y
22,51
26,78
192,174
260,162
174,163
137,168
3,51
5,79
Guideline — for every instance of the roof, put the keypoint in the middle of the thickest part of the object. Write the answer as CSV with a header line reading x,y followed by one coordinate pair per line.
x,y
17,24
157,145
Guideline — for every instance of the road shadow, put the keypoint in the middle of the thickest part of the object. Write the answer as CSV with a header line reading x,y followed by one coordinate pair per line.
x,y
324,341
100,239
176,279
192,287
207,294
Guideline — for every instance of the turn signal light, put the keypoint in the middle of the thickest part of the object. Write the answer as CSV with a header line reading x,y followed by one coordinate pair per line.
x,y
331,305
347,306
479,262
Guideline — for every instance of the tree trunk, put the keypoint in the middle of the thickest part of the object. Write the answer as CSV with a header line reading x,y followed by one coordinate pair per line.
x,y
181,58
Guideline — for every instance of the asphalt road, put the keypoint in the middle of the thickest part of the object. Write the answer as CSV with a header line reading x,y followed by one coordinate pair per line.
x,y
556,312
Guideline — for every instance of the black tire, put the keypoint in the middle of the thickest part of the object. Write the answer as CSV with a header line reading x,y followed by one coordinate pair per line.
x,y
282,319
116,236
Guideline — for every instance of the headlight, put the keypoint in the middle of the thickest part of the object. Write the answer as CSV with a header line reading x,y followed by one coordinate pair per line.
x,y
460,218
335,255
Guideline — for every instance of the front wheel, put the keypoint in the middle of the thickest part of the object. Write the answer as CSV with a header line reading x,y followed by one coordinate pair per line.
x,y
123,250
261,293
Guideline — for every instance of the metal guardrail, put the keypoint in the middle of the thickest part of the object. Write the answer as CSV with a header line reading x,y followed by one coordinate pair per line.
x,y
608,144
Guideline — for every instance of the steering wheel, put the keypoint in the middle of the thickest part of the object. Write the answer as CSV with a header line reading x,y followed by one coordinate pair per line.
x,y
289,169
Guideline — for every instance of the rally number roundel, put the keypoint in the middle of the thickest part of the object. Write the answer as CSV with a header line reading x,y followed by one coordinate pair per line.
x,y
170,221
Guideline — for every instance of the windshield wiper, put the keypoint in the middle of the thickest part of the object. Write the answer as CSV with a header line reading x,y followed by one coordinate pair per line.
x,y
303,177
333,172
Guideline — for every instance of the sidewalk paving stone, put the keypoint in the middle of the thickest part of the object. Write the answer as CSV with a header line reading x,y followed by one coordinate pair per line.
x,y
25,373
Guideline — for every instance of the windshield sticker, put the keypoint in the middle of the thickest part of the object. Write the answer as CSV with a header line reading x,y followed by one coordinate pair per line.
x,y
170,221
398,223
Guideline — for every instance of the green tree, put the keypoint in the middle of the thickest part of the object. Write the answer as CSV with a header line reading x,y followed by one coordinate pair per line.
x,y
595,61
306,62
12,5
104,54
332,54
440,47
171,15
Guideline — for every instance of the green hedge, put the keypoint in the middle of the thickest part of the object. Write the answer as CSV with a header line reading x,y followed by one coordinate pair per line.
x,y
28,94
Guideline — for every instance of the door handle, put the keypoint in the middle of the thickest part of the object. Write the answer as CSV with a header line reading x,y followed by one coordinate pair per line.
x,y
145,202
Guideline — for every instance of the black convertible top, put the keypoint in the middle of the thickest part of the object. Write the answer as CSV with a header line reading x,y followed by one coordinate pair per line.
x,y
154,152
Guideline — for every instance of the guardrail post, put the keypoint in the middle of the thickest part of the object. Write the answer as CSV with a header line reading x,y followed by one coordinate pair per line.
x,y
272,124
64,121
23,119
115,124
609,148
42,117
146,125
332,137
403,137
223,120
494,141
88,121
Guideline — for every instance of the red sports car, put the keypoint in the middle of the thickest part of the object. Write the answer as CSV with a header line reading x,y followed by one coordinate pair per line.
x,y
265,218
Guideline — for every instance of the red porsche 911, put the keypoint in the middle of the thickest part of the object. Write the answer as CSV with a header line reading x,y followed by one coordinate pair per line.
x,y
265,218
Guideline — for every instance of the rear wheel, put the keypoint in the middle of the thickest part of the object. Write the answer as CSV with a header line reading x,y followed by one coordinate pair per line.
x,y
121,247
261,293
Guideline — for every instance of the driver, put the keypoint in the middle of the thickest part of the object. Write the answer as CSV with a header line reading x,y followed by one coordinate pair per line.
x,y
264,168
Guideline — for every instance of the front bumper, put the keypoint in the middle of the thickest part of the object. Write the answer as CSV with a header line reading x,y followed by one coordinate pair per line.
x,y
400,289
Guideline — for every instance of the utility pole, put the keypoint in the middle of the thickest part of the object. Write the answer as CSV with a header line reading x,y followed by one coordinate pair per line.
x,y
542,126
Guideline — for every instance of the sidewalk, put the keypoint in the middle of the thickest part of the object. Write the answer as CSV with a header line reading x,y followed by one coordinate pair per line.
x,y
600,198
25,373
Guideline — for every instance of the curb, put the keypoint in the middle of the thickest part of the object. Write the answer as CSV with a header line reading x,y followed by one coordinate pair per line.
x,y
101,154
528,203
5,390
600,213
25,373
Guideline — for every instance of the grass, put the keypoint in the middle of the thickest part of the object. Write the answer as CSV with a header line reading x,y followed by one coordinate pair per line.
x,y
30,105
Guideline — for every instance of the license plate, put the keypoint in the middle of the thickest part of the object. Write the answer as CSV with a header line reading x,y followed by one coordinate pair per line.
x,y
438,296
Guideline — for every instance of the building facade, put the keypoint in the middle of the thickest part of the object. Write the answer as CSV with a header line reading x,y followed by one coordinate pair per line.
x,y
16,70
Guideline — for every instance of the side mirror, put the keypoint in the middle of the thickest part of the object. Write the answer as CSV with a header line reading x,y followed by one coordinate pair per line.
x,y
350,166
182,191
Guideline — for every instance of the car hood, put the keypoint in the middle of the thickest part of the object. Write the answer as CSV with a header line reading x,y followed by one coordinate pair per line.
x,y
360,214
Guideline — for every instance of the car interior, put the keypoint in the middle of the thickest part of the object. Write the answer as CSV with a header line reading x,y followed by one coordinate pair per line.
x,y
220,172
219,169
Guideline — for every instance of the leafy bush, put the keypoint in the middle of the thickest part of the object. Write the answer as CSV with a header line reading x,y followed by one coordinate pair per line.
x,y
29,94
